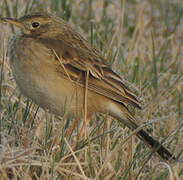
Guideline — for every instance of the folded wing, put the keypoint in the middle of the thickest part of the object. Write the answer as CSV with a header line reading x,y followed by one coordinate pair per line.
x,y
76,57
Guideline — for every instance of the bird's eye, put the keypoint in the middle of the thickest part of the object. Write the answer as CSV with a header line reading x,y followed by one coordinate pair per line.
x,y
35,24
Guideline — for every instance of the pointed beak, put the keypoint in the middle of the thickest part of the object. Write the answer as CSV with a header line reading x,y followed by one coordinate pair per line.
x,y
13,21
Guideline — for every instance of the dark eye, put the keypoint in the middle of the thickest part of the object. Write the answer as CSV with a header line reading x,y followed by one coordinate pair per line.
x,y
35,24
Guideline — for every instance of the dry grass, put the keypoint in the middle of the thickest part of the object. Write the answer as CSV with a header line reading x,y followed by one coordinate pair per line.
x,y
142,41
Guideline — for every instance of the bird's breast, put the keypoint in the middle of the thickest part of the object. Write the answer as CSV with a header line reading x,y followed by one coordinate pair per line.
x,y
34,71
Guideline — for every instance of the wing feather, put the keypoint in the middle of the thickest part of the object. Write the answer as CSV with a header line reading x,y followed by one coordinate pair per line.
x,y
76,61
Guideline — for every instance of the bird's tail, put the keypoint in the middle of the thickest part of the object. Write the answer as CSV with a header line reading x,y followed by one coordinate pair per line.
x,y
158,147
121,113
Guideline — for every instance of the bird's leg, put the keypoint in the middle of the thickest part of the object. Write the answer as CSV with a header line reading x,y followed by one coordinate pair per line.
x,y
83,129
71,128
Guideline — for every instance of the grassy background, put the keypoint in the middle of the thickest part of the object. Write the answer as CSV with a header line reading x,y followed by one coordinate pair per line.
x,y
143,42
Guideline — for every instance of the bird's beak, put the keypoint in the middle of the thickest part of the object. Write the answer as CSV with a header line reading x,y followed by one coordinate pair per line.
x,y
13,21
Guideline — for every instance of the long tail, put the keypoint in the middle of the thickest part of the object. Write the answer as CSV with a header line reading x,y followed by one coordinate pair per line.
x,y
120,112
160,149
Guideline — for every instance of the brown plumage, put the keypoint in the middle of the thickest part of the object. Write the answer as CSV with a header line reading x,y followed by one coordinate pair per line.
x,y
50,62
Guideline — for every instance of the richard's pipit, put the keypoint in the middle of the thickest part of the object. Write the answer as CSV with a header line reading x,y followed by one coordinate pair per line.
x,y
60,71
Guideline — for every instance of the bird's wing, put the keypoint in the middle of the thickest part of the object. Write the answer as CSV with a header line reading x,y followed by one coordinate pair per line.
x,y
76,59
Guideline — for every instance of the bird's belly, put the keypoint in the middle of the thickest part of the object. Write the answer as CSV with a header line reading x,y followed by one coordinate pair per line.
x,y
36,77
52,93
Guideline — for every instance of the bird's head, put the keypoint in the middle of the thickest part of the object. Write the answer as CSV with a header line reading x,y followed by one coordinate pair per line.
x,y
34,25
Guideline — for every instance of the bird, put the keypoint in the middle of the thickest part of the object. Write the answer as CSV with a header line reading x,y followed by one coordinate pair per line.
x,y
63,73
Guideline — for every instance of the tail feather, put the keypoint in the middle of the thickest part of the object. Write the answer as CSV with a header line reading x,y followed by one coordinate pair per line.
x,y
160,149
121,113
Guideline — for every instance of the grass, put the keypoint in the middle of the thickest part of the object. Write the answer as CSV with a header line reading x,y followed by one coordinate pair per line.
x,y
142,41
